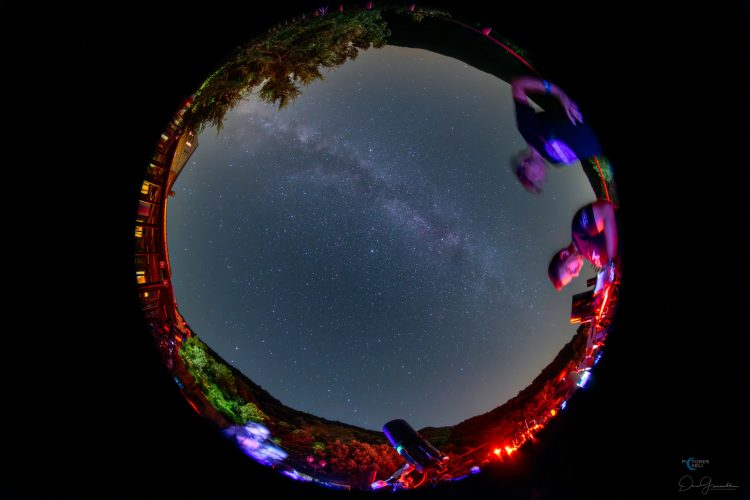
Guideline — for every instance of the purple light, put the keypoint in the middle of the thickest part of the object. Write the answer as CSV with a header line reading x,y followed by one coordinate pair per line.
x,y
378,484
560,151
293,474
253,440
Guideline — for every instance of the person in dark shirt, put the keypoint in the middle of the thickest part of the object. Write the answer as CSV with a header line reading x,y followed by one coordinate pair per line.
x,y
594,235
557,135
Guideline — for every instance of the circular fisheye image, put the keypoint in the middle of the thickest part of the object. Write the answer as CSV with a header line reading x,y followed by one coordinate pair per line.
x,y
378,248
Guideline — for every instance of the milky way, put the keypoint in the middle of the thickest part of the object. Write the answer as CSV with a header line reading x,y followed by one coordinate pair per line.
x,y
366,253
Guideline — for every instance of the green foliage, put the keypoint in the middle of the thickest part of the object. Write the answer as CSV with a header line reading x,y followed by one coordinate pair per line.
x,y
250,411
286,56
602,183
515,48
218,384
319,447
417,15
224,377
606,167
194,354
217,399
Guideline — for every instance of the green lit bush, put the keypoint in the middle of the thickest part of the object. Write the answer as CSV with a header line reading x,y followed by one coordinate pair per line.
x,y
218,384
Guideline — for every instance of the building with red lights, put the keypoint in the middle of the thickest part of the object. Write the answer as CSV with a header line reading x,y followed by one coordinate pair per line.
x,y
152,271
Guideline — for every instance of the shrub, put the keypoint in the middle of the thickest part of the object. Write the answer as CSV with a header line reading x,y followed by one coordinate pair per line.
x,y
218,384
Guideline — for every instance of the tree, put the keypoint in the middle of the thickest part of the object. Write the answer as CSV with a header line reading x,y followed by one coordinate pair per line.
x,y
218,401
283,58
218,383
194,354
319,448
250,412
223,376
355,459
299,441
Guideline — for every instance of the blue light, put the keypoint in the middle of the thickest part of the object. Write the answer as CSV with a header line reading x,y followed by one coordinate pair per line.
x,y
585,378
254,440
598,357
292,474
473,470
564,404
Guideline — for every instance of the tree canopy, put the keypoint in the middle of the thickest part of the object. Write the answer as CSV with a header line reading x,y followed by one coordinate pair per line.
x,y
218,384
287,56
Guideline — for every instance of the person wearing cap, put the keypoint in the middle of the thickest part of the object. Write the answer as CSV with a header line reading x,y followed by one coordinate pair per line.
x,y
594,238
557,136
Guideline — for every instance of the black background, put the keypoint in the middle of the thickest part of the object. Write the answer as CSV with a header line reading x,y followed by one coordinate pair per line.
x,y
91,407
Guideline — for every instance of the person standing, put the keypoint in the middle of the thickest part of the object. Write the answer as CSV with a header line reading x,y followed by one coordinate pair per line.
x,y
557,136
594,238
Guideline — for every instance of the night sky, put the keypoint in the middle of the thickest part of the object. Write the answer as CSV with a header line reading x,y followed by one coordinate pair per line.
x,y
367,253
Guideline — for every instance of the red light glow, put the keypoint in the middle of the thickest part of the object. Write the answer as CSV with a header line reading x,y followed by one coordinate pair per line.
x,y
507,49
606,191
194,407
604,304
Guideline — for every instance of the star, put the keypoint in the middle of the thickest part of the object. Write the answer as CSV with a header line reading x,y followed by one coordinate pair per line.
x,y
376,240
